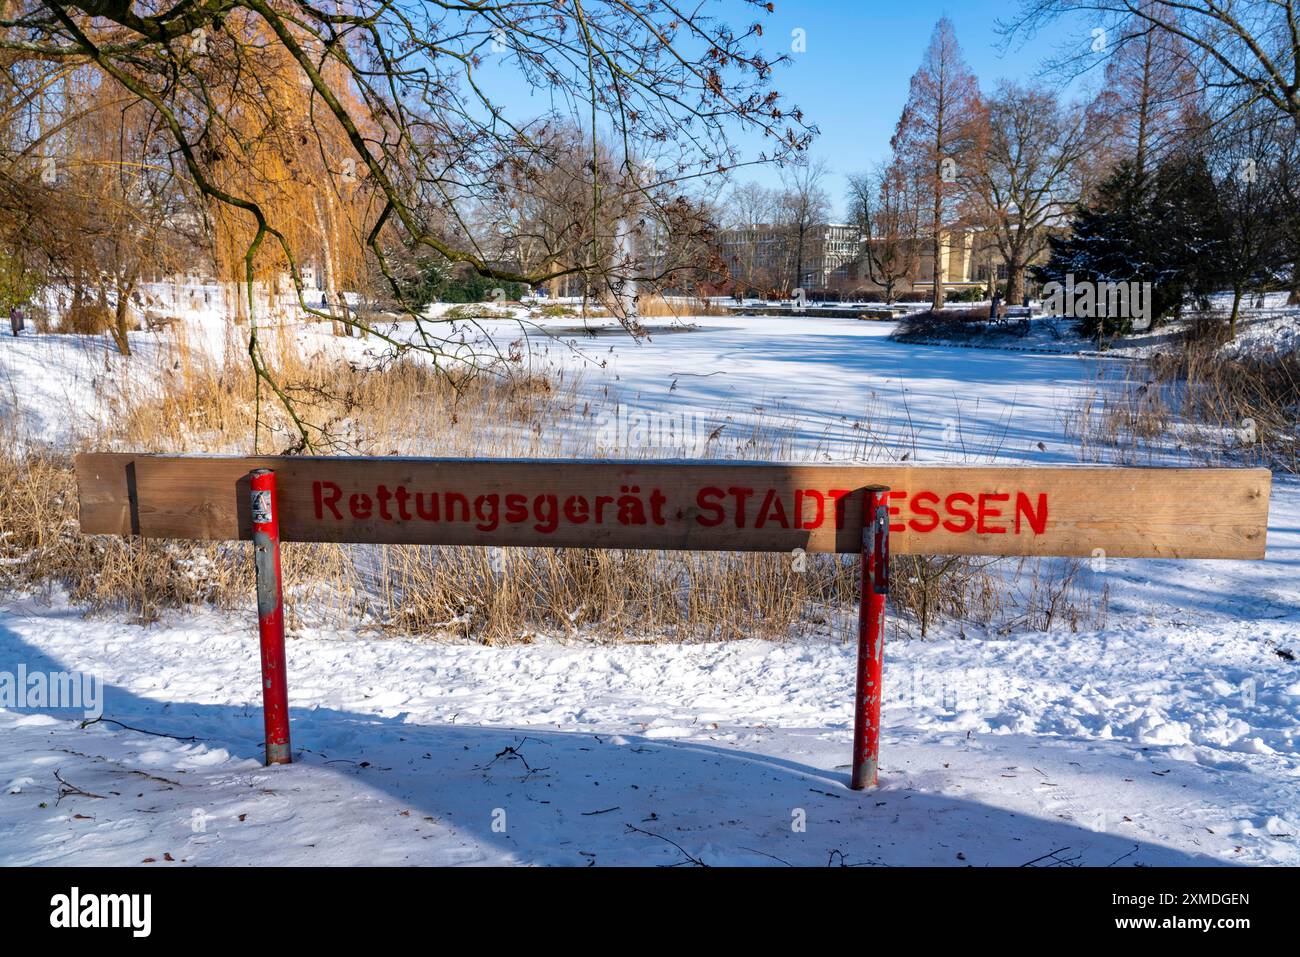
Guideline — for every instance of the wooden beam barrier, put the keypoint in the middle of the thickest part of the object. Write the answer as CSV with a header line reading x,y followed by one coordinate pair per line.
x,y
705,506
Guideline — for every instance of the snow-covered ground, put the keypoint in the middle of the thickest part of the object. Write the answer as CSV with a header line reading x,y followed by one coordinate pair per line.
x,y
1169,737
1273,327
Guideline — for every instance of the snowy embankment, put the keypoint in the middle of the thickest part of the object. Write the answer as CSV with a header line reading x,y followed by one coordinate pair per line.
x,y
1169,737
1275,326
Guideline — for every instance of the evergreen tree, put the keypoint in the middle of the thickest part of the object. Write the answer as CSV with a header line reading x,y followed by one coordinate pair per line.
x,y
1186,219
436,280
1162,229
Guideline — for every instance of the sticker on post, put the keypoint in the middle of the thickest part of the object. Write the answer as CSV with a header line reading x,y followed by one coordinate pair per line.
x,y
261,506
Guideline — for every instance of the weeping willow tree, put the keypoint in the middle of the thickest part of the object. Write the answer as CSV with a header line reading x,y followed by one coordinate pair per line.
x,y
132,198
271,147
368,126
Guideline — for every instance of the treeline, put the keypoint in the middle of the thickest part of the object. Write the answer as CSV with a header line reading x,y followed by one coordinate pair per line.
x,y
1181,168
1217,212
1154,178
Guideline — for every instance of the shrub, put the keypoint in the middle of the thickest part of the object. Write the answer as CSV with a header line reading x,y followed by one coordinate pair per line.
x,y
958,324
968,294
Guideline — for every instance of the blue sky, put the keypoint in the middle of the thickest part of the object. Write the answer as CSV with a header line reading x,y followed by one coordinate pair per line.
x,y
852,79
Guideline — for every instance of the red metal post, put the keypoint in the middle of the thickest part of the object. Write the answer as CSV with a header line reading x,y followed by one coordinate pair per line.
x,y
270,615
871,638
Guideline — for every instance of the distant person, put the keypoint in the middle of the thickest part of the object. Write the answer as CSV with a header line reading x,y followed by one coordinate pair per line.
x,y
16,320
994,306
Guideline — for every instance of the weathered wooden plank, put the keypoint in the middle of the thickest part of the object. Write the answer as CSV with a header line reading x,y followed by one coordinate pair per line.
x,y
707,506
106,493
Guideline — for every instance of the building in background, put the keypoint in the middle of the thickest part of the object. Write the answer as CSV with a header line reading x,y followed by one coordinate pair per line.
x,y
770,259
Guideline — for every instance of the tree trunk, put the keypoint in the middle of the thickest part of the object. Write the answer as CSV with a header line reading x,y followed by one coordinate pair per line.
x,y
1015,282
121,319
241,292
349,329
936,243
936,301
1294,298
78,295
327,264
798,260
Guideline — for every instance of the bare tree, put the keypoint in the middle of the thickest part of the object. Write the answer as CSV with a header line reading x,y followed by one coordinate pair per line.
x,y
749,216
133,200
1150,104
938,136
544,218
749,204
1287,175
803,205
1030,176
1246,51
1248,160
91,201
885,206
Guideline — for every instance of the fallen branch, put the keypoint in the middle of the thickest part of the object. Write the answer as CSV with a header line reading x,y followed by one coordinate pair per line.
x,y
693,860
157,734
66,788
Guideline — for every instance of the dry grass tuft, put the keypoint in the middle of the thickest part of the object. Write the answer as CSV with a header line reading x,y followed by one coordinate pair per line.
x,y
1125,421
658,307
88,319
42,547
198,402
1198,401
1250,403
